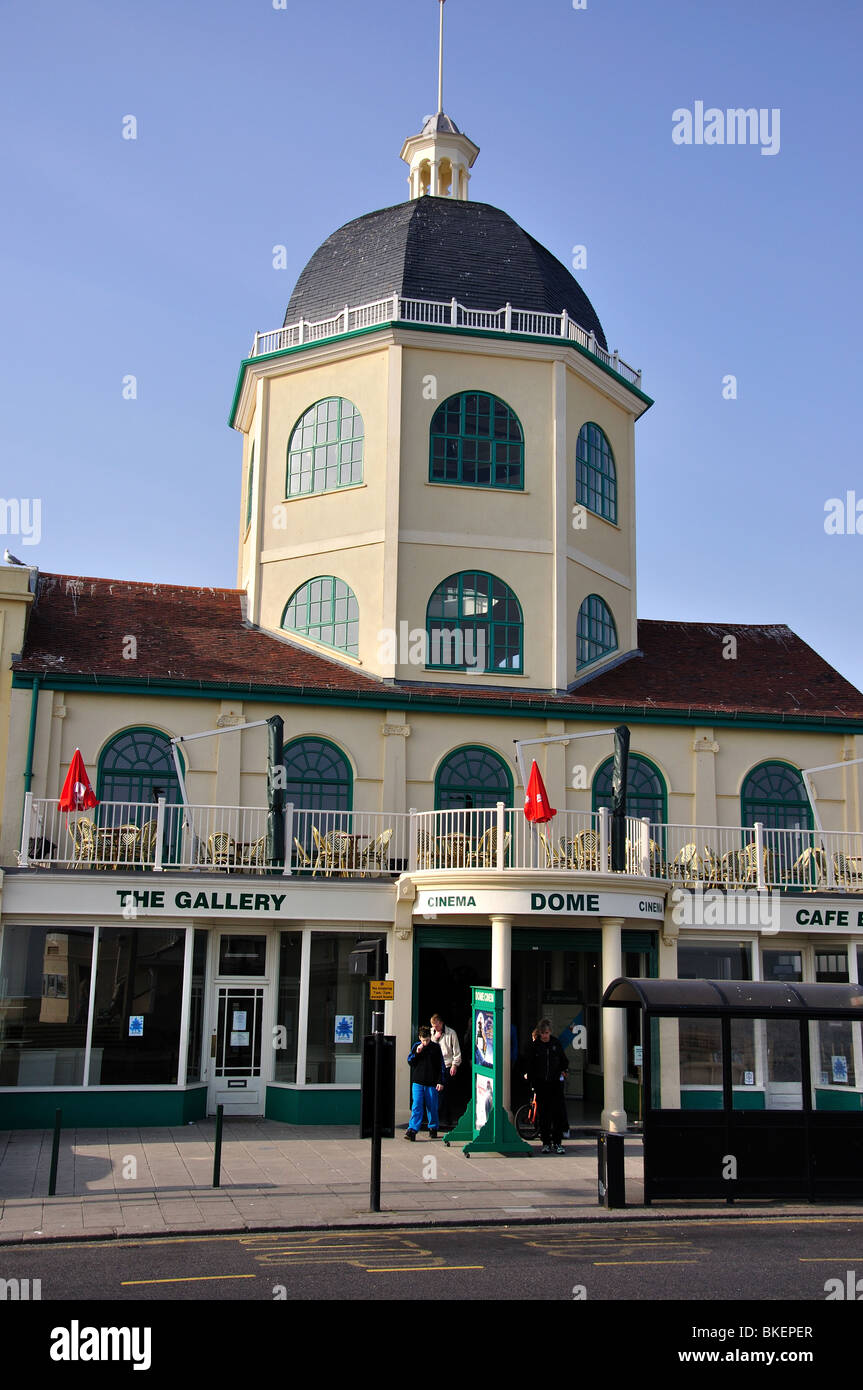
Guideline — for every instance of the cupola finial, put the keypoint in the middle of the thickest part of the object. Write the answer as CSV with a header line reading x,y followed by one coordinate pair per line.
x,y
440,63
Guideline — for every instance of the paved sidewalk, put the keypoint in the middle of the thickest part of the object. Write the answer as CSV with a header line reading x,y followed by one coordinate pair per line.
x,y
125,1182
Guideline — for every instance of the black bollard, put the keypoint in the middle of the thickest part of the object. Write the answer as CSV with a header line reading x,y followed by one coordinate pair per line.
x,y
217,1154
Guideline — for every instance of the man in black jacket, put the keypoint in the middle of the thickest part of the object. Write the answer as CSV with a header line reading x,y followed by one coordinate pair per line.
x,y
546,1072
427,1077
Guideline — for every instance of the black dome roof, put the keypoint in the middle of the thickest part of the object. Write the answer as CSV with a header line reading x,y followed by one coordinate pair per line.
x,y
438,248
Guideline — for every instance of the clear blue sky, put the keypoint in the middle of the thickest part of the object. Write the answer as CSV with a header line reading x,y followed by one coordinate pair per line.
x,y
259,127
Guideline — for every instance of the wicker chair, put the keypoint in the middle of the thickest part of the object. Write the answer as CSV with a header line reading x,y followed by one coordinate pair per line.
x,y
320,851
554,859
149,833
686,864
222,851
425,850
302,859
454,851
485,856
847,872
256,854
376,854
83,842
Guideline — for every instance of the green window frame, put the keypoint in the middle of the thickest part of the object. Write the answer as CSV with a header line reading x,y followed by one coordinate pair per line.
x,y
773,793
646,791
596,634
135,764
325,609
474,621
595,472
476,440
472,776
318,776
249,482
325,449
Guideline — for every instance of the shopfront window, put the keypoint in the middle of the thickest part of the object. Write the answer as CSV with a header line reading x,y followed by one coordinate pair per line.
x,y
44,1000
196,1006
713,961
339,1011
138,989
287,1007
783,966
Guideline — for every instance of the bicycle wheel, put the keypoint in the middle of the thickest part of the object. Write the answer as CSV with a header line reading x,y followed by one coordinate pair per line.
x,y
523,1125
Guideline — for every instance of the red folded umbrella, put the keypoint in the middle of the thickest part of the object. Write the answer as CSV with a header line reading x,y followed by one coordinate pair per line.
x,y
536,807
77,794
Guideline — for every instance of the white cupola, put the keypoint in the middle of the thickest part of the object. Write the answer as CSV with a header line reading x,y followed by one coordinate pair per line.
x,y
440,157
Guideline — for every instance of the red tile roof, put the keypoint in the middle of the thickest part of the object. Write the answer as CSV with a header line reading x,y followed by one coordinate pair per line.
x,y
79,628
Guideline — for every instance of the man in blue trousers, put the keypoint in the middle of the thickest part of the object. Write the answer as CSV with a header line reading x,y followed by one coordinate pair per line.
x,y
427,1078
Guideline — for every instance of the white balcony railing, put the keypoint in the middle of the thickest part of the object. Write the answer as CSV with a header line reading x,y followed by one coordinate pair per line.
x,y
371,844
449,313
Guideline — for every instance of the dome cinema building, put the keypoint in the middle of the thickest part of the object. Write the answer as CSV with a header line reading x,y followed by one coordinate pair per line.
x,y
436,584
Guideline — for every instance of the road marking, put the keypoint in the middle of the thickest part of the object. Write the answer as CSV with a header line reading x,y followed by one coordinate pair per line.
x,y
413,1269
645,1262
188,1279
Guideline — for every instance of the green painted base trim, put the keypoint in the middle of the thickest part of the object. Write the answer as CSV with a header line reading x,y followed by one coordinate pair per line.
x,y
594,1088
701,1100
508,1142
749,1100
838,1100
102,1109
298,1106
630,1098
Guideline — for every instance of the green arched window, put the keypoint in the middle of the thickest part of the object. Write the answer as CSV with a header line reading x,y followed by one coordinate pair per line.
x,y
596,633
595,473
317,776
773,793
326,610
472,777
249,482
478,441
137,765
473,620
646,793
325,450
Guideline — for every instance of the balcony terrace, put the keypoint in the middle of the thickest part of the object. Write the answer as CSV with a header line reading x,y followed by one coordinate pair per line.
x,y
322,844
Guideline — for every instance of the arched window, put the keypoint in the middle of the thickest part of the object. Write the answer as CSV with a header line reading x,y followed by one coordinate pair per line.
x,y
774,794
473,620
477,440
250,480
317,776
137,765
472,777
596,633
325,610
645,789
325,450
595,473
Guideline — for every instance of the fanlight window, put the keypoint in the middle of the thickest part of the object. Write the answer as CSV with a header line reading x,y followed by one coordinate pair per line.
x,y
317,776
596,633
474,620
325,610
325,450
595,473
472,777
476,440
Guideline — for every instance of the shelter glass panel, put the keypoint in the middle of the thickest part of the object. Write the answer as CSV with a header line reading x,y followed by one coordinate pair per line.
x,y
44,1000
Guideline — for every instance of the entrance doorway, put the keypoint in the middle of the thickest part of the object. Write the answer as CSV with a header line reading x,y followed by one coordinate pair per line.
x,y
240,1016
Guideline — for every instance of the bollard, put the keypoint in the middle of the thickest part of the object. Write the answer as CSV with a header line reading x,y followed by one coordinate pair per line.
x,y
611,1184
55,1153
217,1154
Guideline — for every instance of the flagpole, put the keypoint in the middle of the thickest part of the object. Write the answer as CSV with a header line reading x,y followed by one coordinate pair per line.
x,y
440,63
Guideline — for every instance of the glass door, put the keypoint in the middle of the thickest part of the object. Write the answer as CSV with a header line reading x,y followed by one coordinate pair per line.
x,y
239,1016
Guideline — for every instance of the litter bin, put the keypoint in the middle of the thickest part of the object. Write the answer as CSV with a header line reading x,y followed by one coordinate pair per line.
x,y
610,1180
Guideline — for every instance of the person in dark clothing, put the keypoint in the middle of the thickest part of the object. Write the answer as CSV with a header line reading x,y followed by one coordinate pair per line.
x,y
546,1068
427,1077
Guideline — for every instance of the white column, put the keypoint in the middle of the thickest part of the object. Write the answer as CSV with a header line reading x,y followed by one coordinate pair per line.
x,y
501,978
613,1029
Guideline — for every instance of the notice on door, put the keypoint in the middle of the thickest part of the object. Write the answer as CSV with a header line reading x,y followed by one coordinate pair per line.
x,y
239,1020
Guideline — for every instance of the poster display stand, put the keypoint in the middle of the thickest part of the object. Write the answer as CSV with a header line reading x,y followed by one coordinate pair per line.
x,y
485,1126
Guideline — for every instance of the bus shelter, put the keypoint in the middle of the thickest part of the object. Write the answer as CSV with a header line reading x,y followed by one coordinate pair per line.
x,y
750,1089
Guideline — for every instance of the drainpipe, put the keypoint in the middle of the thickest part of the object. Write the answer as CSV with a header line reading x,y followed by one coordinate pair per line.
x,y
31,737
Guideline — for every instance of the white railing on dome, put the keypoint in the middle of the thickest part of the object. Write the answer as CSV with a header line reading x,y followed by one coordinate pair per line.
x,y
371,844
447,313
